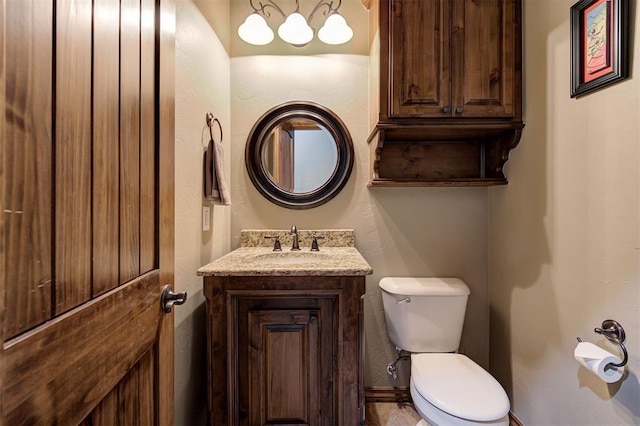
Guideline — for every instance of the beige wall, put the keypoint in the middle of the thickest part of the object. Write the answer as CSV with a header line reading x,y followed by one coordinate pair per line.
x,y
400,231
218,15
559,244
565,236
202,85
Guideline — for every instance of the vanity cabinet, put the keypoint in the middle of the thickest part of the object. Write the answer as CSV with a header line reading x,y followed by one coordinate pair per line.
x,y
285,350
449,90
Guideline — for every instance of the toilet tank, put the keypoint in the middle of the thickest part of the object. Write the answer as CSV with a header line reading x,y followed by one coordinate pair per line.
x,y
424,314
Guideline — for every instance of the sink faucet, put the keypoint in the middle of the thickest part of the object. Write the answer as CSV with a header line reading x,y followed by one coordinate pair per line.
x,y
314,242
294,233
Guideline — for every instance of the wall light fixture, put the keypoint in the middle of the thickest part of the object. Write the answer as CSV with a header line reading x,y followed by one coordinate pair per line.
x,y
295,29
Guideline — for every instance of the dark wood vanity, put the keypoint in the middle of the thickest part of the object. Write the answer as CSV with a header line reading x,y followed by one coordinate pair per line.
x,y
285,343
285,350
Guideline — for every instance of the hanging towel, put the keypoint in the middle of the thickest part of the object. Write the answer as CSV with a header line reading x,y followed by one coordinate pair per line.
x,y
216,188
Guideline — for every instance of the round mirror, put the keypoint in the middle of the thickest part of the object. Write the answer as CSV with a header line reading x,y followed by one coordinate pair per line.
x,y
299,155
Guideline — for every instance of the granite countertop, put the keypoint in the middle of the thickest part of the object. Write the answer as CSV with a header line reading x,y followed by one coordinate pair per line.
x,y
337,256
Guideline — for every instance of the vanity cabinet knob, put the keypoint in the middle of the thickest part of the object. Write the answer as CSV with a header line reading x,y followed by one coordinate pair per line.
x,y
459,110
446,109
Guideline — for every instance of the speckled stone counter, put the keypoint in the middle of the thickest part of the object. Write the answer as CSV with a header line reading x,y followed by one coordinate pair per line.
x,y
331,238
337,256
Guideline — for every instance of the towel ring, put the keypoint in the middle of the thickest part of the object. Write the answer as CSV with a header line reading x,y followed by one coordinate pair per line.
x,y
211,120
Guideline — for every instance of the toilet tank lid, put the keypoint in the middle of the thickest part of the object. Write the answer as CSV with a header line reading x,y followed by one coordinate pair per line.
x,y
424,286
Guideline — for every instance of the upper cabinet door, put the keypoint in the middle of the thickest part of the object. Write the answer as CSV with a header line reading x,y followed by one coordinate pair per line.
x,y
419,57
450,58
484,50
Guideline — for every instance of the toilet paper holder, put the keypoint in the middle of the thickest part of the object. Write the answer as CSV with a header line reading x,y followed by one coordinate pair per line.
x,y
613,331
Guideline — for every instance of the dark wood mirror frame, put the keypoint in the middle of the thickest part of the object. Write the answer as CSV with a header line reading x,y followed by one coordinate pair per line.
x,y
259,135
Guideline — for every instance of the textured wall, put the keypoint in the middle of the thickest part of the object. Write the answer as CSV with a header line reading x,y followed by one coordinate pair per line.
x,y
564,236
202,85
218,15
400,231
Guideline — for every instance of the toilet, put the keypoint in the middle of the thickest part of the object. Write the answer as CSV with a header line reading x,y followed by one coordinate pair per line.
x,y
425,317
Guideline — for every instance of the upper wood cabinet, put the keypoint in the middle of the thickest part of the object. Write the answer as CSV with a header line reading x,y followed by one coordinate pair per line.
x,y
449,90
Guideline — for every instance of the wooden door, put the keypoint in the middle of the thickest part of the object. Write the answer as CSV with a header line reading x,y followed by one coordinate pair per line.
x,y
86,236
283,158
485,50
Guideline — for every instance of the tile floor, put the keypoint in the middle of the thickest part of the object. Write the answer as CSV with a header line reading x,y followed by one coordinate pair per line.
x,y
391,414
398,414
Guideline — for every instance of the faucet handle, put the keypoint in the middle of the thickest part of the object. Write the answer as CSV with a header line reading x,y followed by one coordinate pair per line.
x,y
276,243
314,242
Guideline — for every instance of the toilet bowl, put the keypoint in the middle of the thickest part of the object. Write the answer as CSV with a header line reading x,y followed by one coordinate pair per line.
x,y
425,316
451,389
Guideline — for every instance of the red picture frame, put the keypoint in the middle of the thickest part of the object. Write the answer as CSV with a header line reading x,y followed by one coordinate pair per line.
x,y
599,44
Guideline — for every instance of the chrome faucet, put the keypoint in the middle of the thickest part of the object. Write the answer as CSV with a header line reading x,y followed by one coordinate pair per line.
x,y
296,245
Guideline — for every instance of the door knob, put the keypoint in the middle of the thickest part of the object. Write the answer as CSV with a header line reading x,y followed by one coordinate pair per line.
x,y
169,298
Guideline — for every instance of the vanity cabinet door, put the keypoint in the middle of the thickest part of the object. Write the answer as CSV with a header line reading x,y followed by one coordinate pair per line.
x,y
285,356
285,350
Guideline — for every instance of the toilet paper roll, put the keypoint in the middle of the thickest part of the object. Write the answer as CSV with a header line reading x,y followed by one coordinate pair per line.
x,y
596,359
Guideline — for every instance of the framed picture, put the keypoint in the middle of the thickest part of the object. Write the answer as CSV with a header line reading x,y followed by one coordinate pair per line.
x,y
599,44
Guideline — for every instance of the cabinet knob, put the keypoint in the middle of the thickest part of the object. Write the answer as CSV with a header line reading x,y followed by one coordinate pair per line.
x,y
313,319
459,110
446,109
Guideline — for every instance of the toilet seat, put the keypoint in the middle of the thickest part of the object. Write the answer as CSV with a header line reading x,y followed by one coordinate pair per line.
x,y
432,416
456,385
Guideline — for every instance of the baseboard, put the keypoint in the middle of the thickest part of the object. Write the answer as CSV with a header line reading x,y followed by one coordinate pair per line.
x,y
374,394
386,394
514,421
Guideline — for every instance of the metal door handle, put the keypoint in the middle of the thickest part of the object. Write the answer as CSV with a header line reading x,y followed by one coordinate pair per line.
x,y
169,298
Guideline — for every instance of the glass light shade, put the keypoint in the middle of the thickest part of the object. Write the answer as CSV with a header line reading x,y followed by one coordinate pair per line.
x,y
295,30
335,30
255,30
